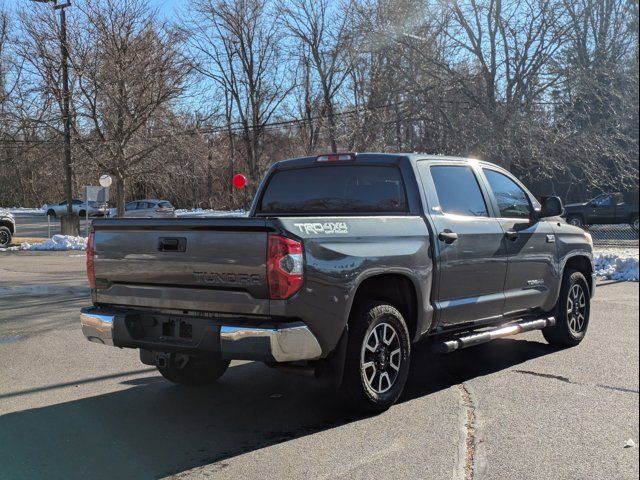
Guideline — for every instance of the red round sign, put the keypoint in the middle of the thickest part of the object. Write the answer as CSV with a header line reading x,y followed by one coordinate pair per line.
x,y
239,181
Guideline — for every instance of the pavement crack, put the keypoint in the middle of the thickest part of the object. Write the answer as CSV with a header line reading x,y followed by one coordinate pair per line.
x,y
466,466
567,380
545,375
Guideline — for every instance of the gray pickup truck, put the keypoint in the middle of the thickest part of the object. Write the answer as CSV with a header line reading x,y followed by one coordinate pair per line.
x,y
343,262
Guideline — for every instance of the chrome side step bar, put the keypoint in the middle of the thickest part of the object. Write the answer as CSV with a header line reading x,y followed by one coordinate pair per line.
x,y
448,346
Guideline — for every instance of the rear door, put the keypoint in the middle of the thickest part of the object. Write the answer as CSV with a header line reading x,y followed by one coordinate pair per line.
x,y
470,250
530,245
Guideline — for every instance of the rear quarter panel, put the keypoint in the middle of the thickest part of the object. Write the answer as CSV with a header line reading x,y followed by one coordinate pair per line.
x,y
342,252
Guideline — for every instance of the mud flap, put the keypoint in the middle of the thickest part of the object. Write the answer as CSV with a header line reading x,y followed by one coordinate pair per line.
x,y
333,370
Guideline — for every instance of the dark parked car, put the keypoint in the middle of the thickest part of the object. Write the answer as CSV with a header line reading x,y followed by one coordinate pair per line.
x,y
7,228
344,262
608,208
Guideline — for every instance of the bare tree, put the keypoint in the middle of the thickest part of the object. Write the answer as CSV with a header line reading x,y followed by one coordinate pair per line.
x,y
324,41
130,70
237,42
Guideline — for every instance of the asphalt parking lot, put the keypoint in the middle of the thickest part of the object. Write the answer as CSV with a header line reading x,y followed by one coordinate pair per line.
x,y
514,408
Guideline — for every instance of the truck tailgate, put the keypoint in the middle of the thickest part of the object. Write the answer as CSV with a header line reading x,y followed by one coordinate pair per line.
x,y
189,264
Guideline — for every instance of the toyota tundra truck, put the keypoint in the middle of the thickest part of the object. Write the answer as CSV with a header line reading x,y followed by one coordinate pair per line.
x,y
343,264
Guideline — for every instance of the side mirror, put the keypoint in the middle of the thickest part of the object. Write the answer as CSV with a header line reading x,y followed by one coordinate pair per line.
x,y
551,207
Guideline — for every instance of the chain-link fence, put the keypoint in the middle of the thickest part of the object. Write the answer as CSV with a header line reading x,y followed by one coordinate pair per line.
x,y
622,235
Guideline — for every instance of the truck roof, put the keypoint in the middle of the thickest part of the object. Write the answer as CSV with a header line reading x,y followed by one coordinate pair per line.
x,y
373,157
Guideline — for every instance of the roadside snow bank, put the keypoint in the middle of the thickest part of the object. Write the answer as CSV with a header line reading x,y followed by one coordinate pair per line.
x,y
617,263
55,243
24,211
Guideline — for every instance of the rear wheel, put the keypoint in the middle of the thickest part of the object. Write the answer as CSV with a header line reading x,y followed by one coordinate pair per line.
x,y
635,224
378,353
572,312
189,371
5,237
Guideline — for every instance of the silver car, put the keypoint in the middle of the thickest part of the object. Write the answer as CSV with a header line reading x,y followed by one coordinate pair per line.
x,y
94,209
149,208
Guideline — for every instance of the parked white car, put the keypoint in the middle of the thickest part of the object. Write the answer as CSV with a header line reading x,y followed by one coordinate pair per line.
x,y
94,209
148,208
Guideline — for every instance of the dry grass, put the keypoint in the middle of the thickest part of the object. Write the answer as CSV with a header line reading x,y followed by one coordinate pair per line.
x,y
16,241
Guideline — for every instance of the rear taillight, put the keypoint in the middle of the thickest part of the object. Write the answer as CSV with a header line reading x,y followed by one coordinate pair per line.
x,y
284,266
91,274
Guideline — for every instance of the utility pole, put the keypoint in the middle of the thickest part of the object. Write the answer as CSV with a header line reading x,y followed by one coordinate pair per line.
x,y
72,226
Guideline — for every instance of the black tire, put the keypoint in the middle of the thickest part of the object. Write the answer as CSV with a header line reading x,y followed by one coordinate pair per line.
x,y
376,387
195,372
634,223
82,213
5,237
571,312
51,212
576,220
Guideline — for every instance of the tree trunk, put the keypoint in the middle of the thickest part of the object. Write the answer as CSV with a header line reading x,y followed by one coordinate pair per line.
x,y
120,183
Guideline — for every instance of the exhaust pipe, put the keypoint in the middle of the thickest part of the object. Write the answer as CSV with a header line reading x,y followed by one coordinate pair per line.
x,y
501,332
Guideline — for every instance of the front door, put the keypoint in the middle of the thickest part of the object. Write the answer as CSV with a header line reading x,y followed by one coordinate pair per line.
x,y
530,244
470,248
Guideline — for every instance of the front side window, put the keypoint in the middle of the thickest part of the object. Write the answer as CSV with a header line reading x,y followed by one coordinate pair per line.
x,y
458,190
513,202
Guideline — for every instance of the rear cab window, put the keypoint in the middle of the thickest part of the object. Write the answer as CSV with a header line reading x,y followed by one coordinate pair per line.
x,y
335,190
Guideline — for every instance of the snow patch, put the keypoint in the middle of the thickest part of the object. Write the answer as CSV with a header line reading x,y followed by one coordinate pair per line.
x,y
55,243
23,211
617,263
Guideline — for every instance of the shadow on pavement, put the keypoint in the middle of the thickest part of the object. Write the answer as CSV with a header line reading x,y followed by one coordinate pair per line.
x,y
154,429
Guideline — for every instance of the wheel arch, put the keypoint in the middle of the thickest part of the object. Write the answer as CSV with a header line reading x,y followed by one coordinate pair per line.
x,y
582,264
9,225
398,289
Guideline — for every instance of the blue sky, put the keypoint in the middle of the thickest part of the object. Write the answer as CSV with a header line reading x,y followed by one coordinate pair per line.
x,y
168,7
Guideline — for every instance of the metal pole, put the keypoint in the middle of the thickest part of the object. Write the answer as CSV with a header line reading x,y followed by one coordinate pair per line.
x,y
86,210
48,226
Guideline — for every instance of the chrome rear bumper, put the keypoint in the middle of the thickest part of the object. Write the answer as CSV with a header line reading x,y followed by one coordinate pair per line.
x,y
283,343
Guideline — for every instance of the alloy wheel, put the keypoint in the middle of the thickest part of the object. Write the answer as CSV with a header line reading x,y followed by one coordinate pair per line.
x,y
577,309
4,238
380,358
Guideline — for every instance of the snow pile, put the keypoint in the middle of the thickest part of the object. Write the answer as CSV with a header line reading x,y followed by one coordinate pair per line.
x,y
203,212
57,243
24,211
617,263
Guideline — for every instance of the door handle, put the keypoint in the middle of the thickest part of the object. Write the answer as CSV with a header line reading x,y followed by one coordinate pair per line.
x,y
447,236
166,244
511,235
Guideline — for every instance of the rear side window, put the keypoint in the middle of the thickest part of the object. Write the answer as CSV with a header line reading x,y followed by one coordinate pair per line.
x,y
512,201
458,191
335,189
